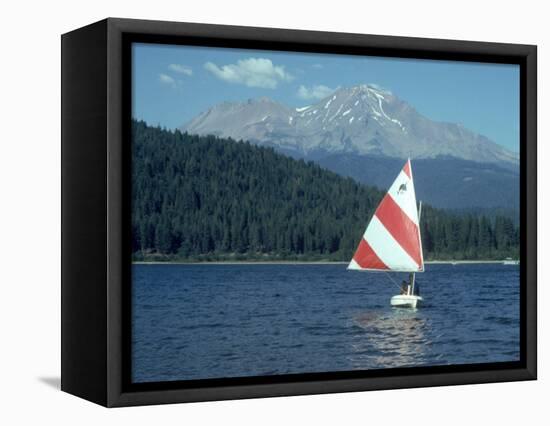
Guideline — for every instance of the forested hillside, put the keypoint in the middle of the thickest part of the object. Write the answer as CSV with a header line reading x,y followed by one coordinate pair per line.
x,y
205,198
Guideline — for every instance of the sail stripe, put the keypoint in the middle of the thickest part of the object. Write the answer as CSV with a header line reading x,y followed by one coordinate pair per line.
x,y
392,238
354,265
365,257
407,169
400,226
387,248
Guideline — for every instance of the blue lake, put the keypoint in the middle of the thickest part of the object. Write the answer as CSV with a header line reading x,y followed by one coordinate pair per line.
x,y
212,321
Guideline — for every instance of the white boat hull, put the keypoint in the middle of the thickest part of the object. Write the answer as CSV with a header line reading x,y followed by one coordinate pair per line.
x,y
406,301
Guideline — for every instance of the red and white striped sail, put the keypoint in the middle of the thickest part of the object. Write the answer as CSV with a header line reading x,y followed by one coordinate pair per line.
x,y
392,239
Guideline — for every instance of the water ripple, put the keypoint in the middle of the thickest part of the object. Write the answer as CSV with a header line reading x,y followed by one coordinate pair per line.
x,y
204,321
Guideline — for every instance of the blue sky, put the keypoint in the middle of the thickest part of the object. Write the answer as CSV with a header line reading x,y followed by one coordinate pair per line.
x,y
172,84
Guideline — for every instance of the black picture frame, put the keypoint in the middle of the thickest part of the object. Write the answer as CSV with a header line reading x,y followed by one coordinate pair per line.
x,y
96,268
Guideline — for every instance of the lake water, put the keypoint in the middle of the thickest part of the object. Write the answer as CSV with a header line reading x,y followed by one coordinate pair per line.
x,y
212,321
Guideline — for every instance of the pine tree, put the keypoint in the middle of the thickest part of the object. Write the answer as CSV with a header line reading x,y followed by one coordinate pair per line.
x,y
195,196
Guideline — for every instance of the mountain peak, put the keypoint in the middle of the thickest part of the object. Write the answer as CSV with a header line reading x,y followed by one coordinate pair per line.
x,y
364,119
363,89
261,99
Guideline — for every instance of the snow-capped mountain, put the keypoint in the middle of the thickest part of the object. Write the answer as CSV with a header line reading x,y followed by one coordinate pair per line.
x,y
365,132
360,120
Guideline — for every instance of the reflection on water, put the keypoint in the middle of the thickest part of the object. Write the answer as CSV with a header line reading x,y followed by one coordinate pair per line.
x,y
207,321
396,338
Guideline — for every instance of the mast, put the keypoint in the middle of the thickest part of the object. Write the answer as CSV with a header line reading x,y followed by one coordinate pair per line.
x,y
413,274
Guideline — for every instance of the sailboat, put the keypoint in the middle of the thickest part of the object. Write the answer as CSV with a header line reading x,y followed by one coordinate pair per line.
x,y
391,242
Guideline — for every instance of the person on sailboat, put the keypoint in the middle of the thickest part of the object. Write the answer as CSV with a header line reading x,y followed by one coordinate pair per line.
x,y
404,287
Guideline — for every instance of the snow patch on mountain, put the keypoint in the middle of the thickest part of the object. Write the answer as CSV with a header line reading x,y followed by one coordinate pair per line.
x,y
363,119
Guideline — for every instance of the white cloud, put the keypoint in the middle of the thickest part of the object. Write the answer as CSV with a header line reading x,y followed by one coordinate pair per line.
x,y
166,79
317,66
169,81
181,69
314,92
252,72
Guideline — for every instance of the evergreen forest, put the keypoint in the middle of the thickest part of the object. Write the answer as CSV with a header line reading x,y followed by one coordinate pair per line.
x,y
203,198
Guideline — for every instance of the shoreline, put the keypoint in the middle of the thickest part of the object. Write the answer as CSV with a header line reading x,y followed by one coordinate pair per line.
x,y
313,262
